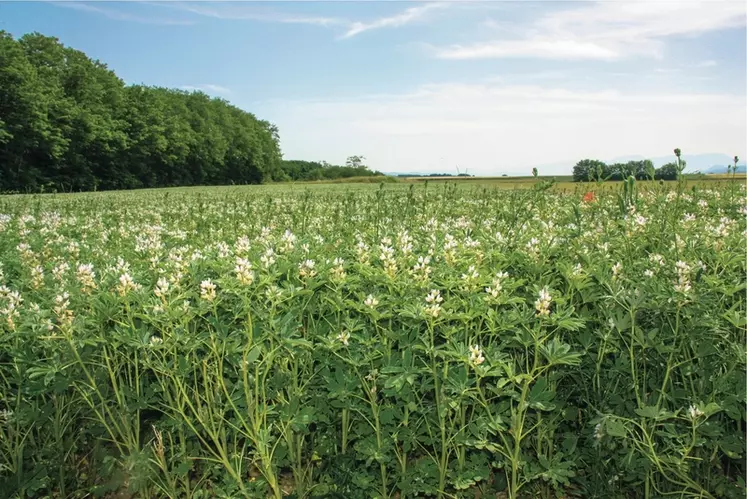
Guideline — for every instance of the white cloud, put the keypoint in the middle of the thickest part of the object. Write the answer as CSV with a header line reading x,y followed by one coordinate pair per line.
x,y
607,30
493,128
405,17
208,88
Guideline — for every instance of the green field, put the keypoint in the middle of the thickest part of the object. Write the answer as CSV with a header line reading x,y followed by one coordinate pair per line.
x,y
460,339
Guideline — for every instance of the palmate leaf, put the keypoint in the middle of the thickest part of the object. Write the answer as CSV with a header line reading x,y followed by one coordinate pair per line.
x,y
559,353
556,471
540,397
649,412
615,428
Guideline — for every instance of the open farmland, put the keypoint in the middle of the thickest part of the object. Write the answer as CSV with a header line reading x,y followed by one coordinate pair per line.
x,y
361,341
565,183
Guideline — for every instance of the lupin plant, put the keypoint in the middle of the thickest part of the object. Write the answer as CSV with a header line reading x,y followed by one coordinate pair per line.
x,y
396,341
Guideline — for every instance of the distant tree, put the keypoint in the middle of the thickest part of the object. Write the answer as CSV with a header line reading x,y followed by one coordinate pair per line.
x,y
647,172
667,172
586,170
356,162
299,170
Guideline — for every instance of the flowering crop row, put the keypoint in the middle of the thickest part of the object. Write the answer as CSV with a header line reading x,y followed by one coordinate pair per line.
x,y
366,342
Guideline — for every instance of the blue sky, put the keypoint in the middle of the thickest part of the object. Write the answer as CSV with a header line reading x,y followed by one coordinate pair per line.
x,y
496,86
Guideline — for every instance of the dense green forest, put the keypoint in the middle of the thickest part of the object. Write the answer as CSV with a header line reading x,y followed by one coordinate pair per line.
x,y
68,123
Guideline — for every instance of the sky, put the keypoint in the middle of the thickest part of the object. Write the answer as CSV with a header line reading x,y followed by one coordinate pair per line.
x,y
488,87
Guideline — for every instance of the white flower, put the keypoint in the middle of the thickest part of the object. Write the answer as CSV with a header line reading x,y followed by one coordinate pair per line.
x,y
616,268
268,258
126,284
656,258
155,340
86,276
162,287
243,270
344,338
37,276
273,292
306,269
207,290
434,297
471,274
682,267
648,273
243,245
598,431
682,286
694,412
338,269
287,241
370,301
433,300
58,272
494,290
475,355
542,305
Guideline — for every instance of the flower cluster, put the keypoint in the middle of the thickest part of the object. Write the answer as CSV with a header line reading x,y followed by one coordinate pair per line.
x,y
542,305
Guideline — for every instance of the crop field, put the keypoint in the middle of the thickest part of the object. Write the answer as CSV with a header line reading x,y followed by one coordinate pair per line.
x,y
375,341
565,183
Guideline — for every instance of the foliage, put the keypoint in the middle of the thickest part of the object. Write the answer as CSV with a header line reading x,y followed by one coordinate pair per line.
x,y
362,341
356,162
68,123
312,170
667,172
588,170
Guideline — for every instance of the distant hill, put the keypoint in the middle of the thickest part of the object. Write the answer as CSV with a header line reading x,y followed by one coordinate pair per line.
x,y
724,169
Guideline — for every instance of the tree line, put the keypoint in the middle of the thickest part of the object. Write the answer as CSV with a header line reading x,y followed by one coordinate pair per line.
x,y
588,170
300,170
68,123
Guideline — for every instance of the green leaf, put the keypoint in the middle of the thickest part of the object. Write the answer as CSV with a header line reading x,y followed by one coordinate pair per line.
x,y
650,412
558,353
615,428
540,397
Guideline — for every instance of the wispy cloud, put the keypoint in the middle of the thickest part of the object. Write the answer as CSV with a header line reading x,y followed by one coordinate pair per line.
x,y
405,17
707,64
208,88
537,47
607,31
239,11
120,15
